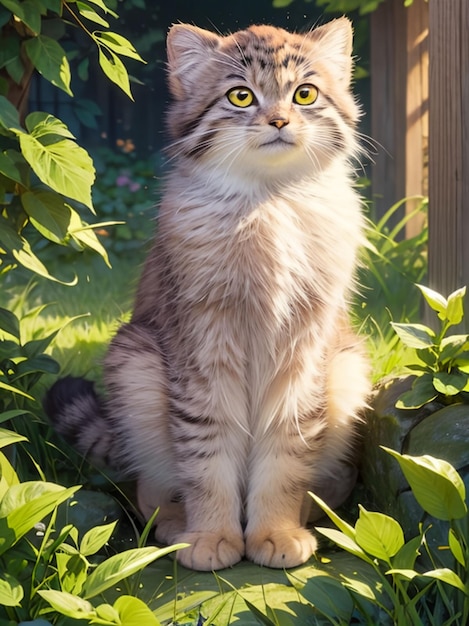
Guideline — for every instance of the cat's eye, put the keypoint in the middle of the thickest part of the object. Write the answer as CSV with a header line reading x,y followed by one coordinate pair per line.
x,y
306,94
240,97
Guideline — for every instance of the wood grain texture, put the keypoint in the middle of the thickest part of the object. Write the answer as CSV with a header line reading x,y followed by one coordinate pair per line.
x,y
449,145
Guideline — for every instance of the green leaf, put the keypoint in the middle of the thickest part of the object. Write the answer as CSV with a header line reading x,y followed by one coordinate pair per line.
x,y
25,505
28,259
41,124
447,576
63,166
90,14
344,542
49,214
421,393
453,346
456,547
49,58
134,612
9,323
8,437
85,236
115,70
435,300
9,117
120,566
379,535
407,555
450,384
455,312
68,604
436,485
11,591
27,11
332,515
328,596
11,163
96,538
414,335
11,389
118,44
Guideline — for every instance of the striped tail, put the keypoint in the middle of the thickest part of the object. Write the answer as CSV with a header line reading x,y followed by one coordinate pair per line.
x,y
78,415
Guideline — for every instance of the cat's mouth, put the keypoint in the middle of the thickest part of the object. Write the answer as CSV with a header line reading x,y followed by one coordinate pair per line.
x,y
277,142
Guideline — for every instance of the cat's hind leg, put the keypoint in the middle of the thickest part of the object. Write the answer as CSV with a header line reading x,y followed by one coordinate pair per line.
x,y
137,382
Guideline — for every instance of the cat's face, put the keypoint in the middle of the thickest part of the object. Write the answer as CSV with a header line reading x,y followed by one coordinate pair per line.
x,y
262,102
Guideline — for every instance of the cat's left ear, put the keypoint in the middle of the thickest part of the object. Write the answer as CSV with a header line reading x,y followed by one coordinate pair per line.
x,y
188,48
336,41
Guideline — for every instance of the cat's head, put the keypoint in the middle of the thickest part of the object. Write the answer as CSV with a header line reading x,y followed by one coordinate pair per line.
x,y
262,102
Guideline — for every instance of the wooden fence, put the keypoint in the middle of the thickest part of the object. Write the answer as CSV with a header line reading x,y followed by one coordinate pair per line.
x,y
420,116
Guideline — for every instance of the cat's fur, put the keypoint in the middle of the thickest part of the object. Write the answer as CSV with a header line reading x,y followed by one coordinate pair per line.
x,y
237,385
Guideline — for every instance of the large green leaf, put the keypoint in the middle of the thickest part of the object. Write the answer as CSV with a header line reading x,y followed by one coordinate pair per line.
x,y
25,505
421,393
64,166
415,335
328,595
450,383
12,165
49,58
27,11
119,566
436,485
379,535
40,124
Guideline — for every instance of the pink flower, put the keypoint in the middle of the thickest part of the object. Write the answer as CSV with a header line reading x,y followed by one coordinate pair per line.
x,y
122,180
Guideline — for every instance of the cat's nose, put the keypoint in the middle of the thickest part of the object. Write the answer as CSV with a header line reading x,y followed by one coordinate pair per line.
x,y
279,122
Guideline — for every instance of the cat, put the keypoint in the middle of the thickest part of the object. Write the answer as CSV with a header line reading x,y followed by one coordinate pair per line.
x,y
238,384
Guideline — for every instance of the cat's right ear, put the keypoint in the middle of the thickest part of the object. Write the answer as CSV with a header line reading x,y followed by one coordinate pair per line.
x,y
188,48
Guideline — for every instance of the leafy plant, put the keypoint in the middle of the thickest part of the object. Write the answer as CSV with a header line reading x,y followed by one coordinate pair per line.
x,y
50,571
388,581
391,265
442,364
44,175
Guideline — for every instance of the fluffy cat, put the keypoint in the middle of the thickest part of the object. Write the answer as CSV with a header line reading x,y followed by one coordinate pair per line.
x,y
238,383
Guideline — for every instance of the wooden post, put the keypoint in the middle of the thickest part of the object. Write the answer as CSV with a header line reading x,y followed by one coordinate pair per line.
x,y
399,107
449,145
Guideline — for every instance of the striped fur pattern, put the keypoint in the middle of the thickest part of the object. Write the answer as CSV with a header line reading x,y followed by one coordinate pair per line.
x,y
237,385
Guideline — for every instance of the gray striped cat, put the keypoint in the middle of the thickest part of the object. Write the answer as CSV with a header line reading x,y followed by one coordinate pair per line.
x,y
238,383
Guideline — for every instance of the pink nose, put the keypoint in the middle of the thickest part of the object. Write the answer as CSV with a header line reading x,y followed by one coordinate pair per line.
x,y
279,122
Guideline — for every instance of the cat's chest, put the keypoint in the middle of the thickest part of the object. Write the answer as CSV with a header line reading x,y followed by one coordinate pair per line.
x,y
229,255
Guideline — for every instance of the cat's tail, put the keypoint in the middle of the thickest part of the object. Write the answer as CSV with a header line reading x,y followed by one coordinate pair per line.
x,y
78,415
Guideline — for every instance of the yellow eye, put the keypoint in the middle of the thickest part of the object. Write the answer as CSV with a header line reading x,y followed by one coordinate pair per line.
x,y
306,94
240,97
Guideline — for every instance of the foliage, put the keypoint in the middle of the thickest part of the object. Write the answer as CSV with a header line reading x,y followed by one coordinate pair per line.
x,y
339,6
125,190
44,175
390,266
48,570
389,584
442,360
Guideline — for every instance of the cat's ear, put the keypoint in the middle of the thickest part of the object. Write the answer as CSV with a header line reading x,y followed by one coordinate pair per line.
x,y
188,48
336,41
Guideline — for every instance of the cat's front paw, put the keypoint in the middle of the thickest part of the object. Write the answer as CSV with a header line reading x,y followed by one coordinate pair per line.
x,y
280,548
210,551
